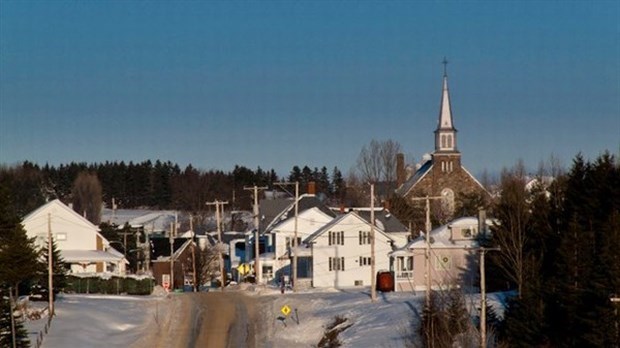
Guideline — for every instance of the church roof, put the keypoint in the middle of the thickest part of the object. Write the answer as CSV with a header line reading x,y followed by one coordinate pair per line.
x,y
415,178
445,109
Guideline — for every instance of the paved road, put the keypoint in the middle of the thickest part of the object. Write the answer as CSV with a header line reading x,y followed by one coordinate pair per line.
x,y
212,320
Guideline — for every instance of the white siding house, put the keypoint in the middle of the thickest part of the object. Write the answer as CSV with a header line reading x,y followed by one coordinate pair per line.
x,y
308,222
78,240
341,252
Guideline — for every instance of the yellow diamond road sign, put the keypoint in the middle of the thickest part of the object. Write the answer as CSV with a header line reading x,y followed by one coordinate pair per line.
x,y
285,309
243,268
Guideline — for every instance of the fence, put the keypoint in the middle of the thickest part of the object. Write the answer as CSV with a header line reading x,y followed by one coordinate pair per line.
x,y
112,285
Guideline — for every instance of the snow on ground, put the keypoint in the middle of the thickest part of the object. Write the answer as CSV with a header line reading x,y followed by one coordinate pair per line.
x,y
95,321
112,321
383,323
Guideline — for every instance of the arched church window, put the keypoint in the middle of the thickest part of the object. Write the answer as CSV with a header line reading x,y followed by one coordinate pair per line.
x,y
447,203
449,141
443,141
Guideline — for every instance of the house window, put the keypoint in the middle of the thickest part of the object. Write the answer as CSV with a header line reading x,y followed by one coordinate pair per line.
x,y
365,261
289,240
364,237
467,232
443,263
336,263
61,236
404,263
336,237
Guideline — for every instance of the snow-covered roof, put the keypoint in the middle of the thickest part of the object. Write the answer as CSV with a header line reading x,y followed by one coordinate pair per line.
x,y
442,238
91,256
415,178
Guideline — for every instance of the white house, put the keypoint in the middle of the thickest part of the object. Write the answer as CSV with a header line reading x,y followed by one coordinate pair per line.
x,y
452,256
78,240
282,236
341,252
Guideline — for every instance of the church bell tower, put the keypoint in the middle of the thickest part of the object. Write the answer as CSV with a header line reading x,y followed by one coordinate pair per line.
x,y
445,134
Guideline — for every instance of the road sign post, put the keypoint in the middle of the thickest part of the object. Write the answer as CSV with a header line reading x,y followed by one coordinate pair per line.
x,y
165,281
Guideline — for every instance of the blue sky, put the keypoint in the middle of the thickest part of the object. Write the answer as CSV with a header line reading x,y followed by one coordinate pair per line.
x,y
277,84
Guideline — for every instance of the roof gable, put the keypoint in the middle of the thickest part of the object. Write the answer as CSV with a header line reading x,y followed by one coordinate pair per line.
x,y
305,202
342,219
56,206
441,236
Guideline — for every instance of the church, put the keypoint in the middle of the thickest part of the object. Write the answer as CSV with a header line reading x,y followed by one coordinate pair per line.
x,y
441,173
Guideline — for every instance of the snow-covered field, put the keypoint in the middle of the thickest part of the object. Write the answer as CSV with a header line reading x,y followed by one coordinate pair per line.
x,y
95,321
115,321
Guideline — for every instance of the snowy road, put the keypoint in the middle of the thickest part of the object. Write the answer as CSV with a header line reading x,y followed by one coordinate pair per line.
x,y
212,319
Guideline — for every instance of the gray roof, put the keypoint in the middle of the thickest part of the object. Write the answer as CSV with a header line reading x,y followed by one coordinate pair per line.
x,y
276,210
388,222
415,178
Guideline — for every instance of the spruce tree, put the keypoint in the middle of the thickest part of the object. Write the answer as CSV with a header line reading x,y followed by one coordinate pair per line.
x,y
6,334
18,262
59,269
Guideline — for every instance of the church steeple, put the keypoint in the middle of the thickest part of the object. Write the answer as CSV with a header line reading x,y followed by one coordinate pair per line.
x,y
445,134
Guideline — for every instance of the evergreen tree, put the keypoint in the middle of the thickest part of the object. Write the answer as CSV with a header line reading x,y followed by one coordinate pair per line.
x,y
338,186
59,269
295,174
322,182
18,257
18,262
6,329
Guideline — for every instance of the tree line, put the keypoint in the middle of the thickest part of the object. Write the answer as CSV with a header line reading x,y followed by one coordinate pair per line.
x,y
156,185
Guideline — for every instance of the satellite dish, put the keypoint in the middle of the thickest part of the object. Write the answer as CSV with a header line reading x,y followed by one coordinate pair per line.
x,y
432,240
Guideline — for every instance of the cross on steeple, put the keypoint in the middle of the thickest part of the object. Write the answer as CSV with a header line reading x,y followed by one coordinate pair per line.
x,y
445,66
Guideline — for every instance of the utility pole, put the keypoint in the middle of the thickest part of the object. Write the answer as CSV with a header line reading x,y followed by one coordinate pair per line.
x,y
191,228
373,276
294,244
483,295
171,257
258,274
616,301
50,268
428,245
219,207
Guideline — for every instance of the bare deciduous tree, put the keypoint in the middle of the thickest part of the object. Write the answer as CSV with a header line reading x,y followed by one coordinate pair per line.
x,y
377,161
87,197
511,234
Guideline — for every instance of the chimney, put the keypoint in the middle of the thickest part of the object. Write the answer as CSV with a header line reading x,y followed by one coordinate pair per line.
x,y
386,204
311,188
482,222
400,169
